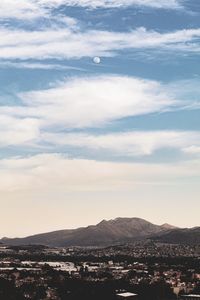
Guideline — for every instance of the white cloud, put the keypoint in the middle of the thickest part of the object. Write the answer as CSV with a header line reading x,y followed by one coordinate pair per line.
x,y
37,66
77,103
32,9
92,101
20,9
165,4
66,43
194,149
29,10
16,131
53,172
89,102
135,143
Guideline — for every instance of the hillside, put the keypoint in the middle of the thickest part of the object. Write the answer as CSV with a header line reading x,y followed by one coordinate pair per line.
x,y
180,236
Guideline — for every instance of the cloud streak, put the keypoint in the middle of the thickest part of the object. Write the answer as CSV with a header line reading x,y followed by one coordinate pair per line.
x,y
33,9
164,4
66,43
135,143
54,172
23,9
37,66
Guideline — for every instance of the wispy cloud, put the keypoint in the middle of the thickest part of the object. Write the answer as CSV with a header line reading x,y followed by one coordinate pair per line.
x,y
79,103
17,131
193,150
23,9
92,101
134,143
66,43
165,4
37,66
33,9
54,172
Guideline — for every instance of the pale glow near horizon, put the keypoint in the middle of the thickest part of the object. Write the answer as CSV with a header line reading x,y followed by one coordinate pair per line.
x,y
28,210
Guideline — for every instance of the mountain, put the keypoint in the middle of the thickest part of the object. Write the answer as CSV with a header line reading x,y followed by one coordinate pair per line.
x,y
105,233
180,236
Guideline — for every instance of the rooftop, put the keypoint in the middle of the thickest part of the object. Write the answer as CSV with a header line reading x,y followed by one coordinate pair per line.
x,y
126,295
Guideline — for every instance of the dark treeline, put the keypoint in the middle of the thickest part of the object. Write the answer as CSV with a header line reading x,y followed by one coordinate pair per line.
x,y
78,289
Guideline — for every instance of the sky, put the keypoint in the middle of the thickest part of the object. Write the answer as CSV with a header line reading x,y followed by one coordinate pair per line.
x,y
84,139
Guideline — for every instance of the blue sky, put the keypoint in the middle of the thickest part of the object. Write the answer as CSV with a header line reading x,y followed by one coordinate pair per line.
x,y
119,138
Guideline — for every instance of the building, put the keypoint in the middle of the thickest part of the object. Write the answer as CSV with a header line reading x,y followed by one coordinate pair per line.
x,y
127,295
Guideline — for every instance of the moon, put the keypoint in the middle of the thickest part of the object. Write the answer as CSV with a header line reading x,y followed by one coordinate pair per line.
x,y
97,60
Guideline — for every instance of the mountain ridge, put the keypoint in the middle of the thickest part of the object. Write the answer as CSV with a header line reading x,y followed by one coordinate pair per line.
x,y
119,230
111,232
180,236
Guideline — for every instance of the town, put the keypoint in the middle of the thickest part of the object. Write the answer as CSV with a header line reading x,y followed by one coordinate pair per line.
x,y
143,271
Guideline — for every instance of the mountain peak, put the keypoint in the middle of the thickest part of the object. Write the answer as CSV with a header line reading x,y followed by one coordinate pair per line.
x,y
168,226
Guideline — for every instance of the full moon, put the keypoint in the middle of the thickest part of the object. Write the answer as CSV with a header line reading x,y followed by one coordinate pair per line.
x,y
96,60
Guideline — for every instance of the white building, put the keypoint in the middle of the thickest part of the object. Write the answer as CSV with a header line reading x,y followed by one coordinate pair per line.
x,y
127,295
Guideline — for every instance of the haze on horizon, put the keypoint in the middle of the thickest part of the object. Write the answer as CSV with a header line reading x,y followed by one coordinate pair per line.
x,y
82,141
